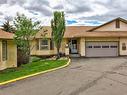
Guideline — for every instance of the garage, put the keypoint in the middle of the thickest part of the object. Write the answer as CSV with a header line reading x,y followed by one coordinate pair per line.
x,y
101,49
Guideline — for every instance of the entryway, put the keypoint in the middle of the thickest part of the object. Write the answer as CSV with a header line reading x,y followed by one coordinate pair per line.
x,y
73,48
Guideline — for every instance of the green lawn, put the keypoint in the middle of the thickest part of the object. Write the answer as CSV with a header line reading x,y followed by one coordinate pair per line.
x,y
30,68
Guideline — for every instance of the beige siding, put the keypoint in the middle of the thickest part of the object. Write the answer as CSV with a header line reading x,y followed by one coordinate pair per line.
x,y
112,27
82,46
123,40
44,52
63,45
3,64
11,55
34,51
102,39
33,47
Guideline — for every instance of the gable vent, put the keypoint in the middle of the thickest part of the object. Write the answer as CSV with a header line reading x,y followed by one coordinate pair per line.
x,y
117,23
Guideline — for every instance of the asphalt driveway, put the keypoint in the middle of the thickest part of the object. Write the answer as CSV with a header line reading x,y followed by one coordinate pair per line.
x,y
84,76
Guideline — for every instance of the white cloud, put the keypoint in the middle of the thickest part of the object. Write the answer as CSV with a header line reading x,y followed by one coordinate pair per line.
x,y
8,10
55,3
80,10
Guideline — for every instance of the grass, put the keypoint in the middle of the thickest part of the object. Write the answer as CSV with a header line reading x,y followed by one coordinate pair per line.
x,y
30,68
34,59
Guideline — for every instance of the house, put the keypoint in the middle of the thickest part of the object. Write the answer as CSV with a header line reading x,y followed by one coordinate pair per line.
x,y
106,40
8,50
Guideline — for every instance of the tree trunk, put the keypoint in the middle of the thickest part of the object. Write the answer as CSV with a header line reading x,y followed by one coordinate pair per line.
x,y
28,55
58,54
22,57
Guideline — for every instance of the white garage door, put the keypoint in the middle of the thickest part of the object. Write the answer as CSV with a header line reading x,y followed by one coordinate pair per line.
x,y
101,49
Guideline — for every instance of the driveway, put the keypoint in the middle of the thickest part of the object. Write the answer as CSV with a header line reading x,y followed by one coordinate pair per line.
x,y
84,76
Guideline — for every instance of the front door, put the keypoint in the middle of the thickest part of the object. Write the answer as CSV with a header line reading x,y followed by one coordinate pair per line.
x,y
73,46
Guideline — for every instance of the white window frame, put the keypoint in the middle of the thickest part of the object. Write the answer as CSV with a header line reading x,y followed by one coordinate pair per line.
x,y
4,50
44,45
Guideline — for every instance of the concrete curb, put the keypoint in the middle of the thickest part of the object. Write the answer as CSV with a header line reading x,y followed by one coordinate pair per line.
x,y
27,76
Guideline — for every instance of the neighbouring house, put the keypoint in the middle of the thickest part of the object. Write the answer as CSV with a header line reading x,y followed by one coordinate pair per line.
x,y
8,50
109,39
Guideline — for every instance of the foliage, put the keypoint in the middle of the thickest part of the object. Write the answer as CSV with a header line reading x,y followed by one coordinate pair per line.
x,y
35,59
26,30
58,29
7,27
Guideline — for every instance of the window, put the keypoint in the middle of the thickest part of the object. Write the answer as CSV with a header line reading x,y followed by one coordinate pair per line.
x,y
4,50
123,46
44,44
89,46
113,46
105,46
97,46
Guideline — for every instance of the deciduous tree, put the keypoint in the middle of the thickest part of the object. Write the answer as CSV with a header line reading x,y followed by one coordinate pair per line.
x,y
26,30
58,30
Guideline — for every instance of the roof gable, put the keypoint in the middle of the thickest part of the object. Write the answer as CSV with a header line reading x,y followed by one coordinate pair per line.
x,y
112,25
6,35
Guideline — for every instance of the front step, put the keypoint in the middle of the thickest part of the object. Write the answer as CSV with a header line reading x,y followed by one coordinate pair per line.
x,y
74,55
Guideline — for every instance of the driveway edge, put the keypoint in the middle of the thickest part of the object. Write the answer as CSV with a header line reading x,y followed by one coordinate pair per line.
x,y
35,74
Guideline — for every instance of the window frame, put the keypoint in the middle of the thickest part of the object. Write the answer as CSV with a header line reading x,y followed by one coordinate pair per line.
x,y
97,46
113,46
43,46
4,50
105,46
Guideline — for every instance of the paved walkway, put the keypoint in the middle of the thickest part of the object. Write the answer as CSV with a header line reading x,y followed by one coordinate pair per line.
x,y
84,76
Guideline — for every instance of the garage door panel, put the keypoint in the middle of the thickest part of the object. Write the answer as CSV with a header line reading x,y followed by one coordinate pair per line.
x,y
101,49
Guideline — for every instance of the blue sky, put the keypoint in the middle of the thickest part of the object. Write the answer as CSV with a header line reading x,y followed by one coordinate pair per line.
x,y
71,22
77,12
